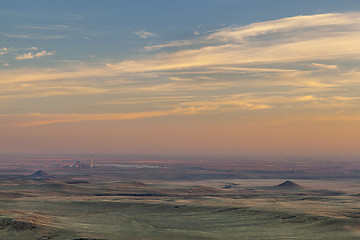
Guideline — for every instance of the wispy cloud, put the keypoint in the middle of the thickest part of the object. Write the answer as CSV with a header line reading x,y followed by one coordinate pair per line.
x,y
184,108
291,63
32,36
251,70
321,23
328,43
51,27
321,48
293,28
25,53
325,66
301,38
31,55
4,51
34,91
38,119
144,34
188,106
179,43
142,100
180,79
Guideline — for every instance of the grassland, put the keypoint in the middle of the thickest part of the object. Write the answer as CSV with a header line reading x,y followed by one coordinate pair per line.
x,y
54,210
104,204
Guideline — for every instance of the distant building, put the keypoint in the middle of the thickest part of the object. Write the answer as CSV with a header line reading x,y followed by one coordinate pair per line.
x,y
92,161
79,164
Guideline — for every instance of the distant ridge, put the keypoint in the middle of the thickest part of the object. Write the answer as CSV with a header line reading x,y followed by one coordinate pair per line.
x,y
288,184
39,175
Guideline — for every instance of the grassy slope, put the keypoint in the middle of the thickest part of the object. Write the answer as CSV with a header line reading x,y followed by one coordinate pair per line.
x,y
126,220
62,211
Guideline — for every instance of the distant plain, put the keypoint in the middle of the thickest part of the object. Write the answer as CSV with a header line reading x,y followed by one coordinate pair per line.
x,y
178,198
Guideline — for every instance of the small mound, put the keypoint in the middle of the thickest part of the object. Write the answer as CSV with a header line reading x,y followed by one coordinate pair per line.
x,y
39,175
229,185
12,224
77,182
288,184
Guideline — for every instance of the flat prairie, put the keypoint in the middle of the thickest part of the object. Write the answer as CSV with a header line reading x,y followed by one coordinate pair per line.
x,y
175,199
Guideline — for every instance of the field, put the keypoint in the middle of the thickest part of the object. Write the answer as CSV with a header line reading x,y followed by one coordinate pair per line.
x,y
177,199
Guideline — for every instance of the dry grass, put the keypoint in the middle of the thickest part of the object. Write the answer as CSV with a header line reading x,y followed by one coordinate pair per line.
x,y
138,210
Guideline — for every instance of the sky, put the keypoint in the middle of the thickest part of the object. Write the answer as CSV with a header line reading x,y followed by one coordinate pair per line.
x,y
214,77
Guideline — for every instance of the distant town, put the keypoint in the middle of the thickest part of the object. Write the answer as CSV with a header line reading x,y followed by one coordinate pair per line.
x,y
79,164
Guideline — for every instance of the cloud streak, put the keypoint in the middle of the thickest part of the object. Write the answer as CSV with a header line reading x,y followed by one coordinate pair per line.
x,y
290,63
330,42
144,34
298,25
51,27
191,105
31,55
301,38
4,51
325,66
32,36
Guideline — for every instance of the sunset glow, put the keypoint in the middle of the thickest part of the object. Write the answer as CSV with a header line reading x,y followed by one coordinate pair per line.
x,y
180,77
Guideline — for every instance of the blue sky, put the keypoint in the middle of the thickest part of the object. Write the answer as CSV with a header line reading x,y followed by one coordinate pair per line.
x,y
105,29
201,76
